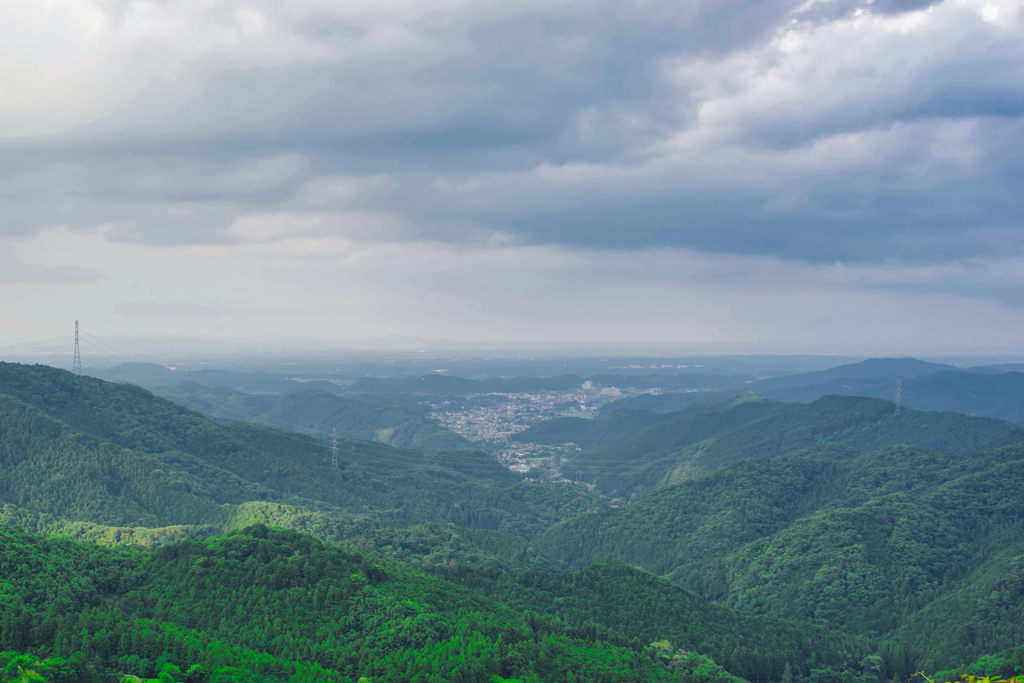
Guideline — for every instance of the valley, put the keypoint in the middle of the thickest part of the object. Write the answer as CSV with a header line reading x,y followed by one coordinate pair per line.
x,y
203,534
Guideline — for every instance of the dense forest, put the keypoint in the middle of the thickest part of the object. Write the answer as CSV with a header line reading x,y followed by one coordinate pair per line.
x,y
275,603
835,542
79,449
989,391
629,452
318,413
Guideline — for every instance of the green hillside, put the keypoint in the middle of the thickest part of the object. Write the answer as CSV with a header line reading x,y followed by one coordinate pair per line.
x,y
873,367
83,450
630,600
701,438
985,614
998,395
662,404
318,413
834,542
873,372
589,434
862,545
267,605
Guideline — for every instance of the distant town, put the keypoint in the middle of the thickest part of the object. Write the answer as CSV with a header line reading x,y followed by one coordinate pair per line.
x,y
494,420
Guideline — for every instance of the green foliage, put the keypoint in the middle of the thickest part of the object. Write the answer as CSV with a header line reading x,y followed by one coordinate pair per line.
x,y
433,545
697,440
613,595
985,615
589,434
834,556
264,604
317,413
995,395
25,667
891,543
82,450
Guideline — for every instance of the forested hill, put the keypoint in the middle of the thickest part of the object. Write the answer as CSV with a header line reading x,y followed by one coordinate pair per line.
x,y
873,367
996,395
273,605
590,433
873,372
881,544
642,431
318,413
655,451
835,551
995,391
83,450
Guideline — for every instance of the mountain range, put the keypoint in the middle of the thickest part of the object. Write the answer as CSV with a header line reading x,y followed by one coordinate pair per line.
x,y
992,391
739,538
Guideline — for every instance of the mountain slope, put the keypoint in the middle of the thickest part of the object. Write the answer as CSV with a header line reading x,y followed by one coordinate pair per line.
x,y
875,377
669,402
588,433
278,606
79,449
998,395
862,545
724,431
277,603
318,413
873,367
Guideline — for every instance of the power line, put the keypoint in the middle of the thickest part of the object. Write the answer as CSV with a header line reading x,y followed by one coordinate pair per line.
x,y
334,448
101,351
62,338
119,354
31,336
76,364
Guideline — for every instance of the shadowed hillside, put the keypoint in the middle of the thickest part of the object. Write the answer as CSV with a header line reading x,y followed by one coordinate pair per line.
x,y
701,438
318,413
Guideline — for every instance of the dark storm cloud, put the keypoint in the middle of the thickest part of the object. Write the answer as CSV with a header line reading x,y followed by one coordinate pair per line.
x,y
849,154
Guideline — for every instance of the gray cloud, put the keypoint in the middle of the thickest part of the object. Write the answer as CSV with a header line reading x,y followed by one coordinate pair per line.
x,y
822,132
13,270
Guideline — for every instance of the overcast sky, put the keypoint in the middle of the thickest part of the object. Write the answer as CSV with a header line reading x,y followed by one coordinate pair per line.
x,y
825,175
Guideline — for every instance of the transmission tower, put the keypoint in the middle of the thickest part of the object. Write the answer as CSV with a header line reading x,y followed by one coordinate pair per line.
x,y
76,364
334,448
899,390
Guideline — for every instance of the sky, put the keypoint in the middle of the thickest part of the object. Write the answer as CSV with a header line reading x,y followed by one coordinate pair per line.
x,y
826,176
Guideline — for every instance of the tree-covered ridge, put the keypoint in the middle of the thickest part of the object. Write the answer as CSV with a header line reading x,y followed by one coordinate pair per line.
x,y
436,545
694,441
83,450
995,395
633,601
861,545
992,391
848,563
283,606
589,433
985,615
646,431
318,413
